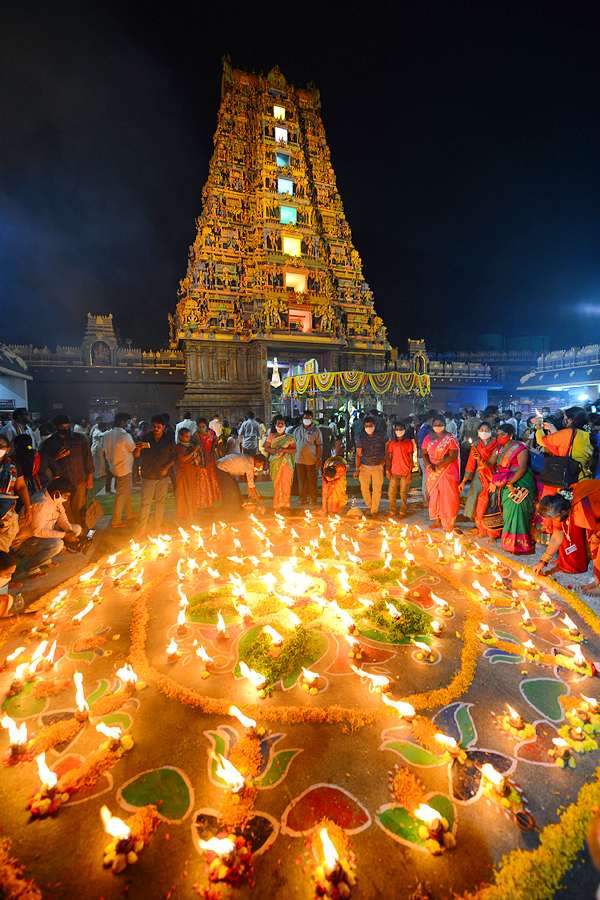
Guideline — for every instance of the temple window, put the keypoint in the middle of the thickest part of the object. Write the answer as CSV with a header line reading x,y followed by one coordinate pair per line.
x,y
281,134
296,281
279,112
285,186
283,159
288,215
292,246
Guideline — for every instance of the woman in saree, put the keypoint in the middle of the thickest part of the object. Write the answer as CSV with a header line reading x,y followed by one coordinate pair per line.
x,y
208,489
190,456
582,511
280,448
440,455
479,493
571,440
512,473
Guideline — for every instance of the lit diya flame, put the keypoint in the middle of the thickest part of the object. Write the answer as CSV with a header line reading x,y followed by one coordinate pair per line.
x,y
79,696
220,623
114,826
134,547
497,779
112,559
238,560
295,535
222,848
50,658
393,611
184,535
388,560
494,560
354,643
242,610
172,648
546,599
344,583
58,598
440,554
274,635
237,544
330,855
355,545
497,578
384,547
529,645
343,614
482,590
485,630
139,582
516,720
181,619
244,720
525,615
47,777
439,601
37,656
200,542
295,620
127,675
457,547
212,554
570,624
379,681
256,678
449,743
201,652
430,816
79,616
590,701
449,537
367,603
334,547
562,748
409,557
17,736
578,657
354,558
270,580
14,655
20,670
161,545
87,575
213,572
214,531
113,733
229,773
474,560
437,627
405,709
526,576
180,574
183,600
424,648
311,677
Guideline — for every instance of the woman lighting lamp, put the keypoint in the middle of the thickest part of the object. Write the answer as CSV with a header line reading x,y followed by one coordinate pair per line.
x,y
583,511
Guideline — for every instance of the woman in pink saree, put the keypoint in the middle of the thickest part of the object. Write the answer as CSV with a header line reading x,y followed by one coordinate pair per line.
x,y
440,455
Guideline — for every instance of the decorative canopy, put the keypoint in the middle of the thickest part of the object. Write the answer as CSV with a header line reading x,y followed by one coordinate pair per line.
x,y
351,382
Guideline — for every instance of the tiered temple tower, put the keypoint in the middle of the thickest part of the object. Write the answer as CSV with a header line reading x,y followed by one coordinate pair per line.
x,y
273,271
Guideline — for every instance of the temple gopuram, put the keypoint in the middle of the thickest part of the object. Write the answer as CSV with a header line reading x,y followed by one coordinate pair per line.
x,y
273,276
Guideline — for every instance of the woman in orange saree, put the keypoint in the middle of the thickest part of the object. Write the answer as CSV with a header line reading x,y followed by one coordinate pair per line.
x,y
479,454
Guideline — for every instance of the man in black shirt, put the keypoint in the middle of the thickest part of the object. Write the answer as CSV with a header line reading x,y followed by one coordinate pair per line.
x,y
371,449
157,451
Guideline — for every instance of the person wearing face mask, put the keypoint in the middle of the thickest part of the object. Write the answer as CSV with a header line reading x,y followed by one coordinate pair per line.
x,y
572,440
440,454
44,536
37,467
308,459
371,450
280,449
582,512
12,482
72,453
209,491
399,461
479,477
509,464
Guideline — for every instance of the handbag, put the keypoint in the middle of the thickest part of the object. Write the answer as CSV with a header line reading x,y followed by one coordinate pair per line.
x,y
492,517
537,459
561,471
92,513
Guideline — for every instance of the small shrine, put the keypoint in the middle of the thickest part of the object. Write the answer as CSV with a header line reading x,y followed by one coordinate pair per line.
x,y
273,271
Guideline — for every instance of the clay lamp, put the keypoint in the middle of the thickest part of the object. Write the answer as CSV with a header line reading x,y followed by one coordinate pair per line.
x,y
380,682
572,629
36,659
18,681
515,719
270,580
185,538
222,848
172,651
122,843
578,657
310,680
14,655
87,575
331,864
586,708
46,664
228,772
450,745
49,779
424,652
576,733
515,602
17,736
221,630
113,735
546,601
258,680
82,712
355,647
181,624
437,627
208,660
274,635
404,709
249,724
485,634
501,785
128,677
485,594
79,616
433,822
561,749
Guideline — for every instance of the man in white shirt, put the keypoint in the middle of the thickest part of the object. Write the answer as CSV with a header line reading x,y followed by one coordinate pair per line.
x,y
238,464
21,424
216,425
118,449
186,422
250,435
45,535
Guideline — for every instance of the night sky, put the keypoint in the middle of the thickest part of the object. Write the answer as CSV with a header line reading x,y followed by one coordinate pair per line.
x,y
465,138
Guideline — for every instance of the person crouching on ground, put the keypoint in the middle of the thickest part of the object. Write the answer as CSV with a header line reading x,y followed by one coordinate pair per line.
x,y
334,492
238,464
41,539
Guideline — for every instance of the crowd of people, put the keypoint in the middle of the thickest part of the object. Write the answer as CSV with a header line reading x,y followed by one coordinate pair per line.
x,y
506,465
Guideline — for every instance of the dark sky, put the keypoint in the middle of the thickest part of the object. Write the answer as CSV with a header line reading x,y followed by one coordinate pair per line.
x,y
465,138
